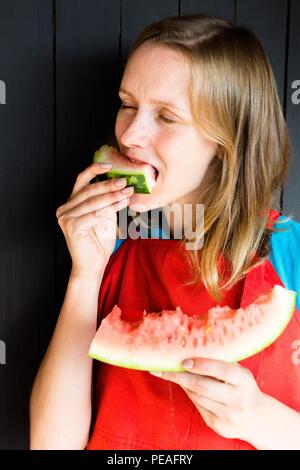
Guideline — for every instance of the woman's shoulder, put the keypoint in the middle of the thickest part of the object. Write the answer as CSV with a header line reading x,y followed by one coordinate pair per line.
x,y
287,230
285,253
117,244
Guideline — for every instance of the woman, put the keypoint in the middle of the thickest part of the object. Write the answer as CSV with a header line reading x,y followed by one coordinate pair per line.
x,y
199,103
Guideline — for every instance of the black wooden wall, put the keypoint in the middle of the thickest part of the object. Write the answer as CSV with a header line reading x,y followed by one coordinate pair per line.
x,y
60,65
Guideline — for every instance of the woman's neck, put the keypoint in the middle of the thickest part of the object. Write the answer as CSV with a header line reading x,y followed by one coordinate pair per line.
x,y
181,219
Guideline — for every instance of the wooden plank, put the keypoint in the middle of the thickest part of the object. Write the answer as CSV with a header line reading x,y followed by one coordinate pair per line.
x,y
221,8
136,14
27,209
87,68
270,26
268,20
291,193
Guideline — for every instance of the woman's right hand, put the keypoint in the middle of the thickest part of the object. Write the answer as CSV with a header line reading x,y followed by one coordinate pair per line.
x,y
89,221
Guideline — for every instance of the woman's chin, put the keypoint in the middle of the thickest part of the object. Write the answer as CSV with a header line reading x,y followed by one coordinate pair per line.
x,y
142,202
145,202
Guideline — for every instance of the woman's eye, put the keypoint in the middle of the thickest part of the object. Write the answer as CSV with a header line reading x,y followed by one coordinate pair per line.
x,y
166,120
163,118
125,106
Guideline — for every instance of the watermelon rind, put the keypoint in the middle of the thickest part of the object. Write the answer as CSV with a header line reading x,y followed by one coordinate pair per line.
x,y
140,179
168,357
276,335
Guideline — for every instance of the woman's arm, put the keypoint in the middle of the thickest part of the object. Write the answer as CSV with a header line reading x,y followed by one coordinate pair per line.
x,y
278,426
60,405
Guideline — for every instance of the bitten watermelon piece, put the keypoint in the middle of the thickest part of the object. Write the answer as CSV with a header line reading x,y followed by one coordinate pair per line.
x,y
161,341
141,176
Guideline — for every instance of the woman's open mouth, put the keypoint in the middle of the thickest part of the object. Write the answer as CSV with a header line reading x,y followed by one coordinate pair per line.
x,y
137,162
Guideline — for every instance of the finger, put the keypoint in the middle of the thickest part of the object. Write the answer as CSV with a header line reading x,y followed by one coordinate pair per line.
x,y
88,174
205,386
91,191
96,203
120,205
206,405
221,370
98,218
208,416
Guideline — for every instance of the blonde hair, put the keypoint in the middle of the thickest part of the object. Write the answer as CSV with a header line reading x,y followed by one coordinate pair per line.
x,y
235,103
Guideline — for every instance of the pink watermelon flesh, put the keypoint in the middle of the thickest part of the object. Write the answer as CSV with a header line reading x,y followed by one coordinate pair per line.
x,y
161,341
142,176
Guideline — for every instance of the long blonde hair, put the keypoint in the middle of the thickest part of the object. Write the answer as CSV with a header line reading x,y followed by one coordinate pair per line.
x,y
235,103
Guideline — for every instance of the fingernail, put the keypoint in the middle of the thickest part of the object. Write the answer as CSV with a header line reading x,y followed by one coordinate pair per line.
x,y
120,181
129,189
157,374
188,363
106,165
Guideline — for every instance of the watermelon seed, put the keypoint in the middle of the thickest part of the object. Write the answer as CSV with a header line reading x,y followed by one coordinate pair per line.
x,y
209,328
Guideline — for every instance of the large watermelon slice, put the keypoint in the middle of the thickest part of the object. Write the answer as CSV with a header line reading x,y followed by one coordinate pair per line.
x,y
161,341
142,176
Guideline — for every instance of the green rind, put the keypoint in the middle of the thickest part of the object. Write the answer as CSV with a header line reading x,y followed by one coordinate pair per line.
x,y
129,365
284,324
99,157
136,178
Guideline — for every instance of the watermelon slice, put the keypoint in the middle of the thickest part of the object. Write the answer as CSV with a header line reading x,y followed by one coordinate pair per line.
x,y
142,176
161,341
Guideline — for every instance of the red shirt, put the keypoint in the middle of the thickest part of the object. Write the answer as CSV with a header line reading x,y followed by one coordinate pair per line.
x,y
134,410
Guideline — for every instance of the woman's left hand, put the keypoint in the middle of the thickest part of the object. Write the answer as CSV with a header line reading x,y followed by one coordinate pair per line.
x,y
225,394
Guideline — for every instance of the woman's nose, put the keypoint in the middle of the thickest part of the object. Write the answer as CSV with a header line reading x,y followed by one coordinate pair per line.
x,y
137,131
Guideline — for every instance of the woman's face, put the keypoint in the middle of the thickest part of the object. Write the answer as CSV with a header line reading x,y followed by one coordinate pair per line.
x,y
155,84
